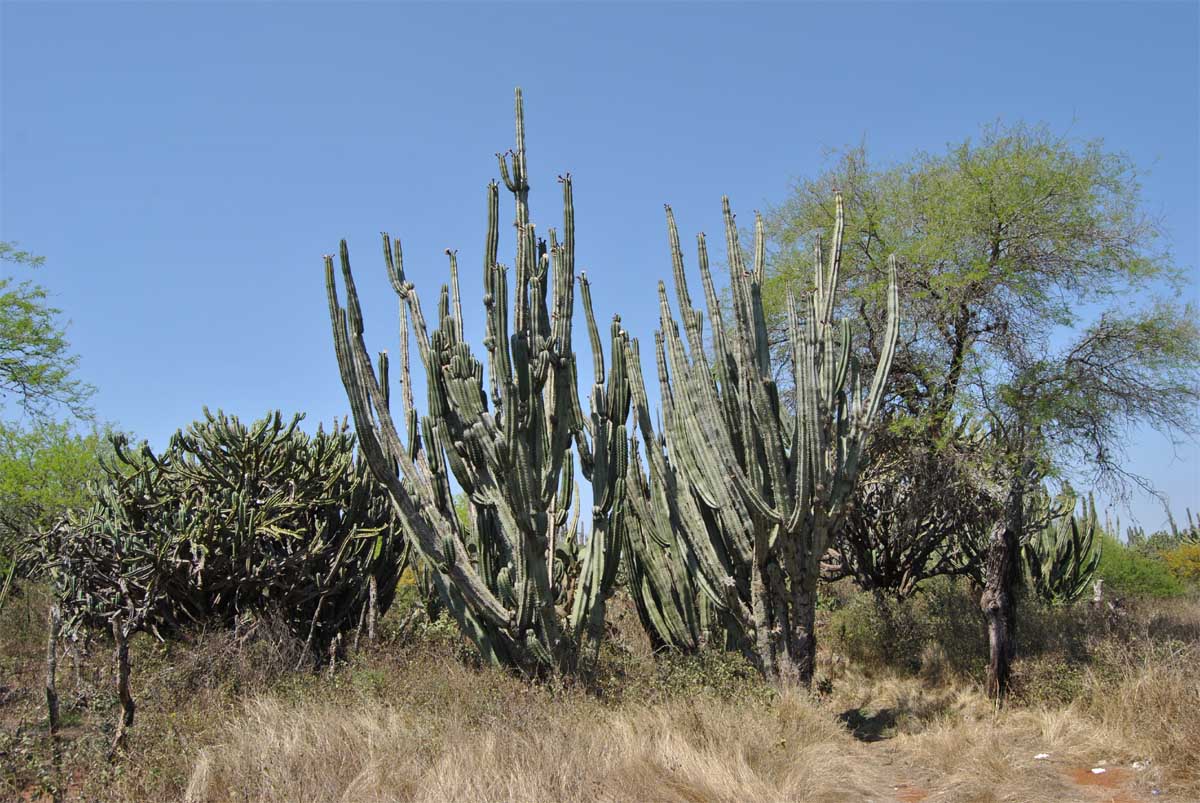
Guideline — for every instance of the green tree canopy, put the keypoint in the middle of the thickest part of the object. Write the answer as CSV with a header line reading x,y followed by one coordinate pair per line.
x,y
1031,282
46,469
1003,241
37,369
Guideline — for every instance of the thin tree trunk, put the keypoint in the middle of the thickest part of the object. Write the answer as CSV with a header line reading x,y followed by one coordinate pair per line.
x,y
54,625
125,720
372,607
887,619
362,620
77,659
998,600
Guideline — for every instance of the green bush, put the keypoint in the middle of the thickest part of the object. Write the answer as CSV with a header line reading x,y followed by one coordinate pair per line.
x,y
1184,563
898,633
1124,571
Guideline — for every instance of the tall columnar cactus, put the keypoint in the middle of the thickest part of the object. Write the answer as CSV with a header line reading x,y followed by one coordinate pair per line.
x,y
770,485
511,458
1185,535
1061,557
662,571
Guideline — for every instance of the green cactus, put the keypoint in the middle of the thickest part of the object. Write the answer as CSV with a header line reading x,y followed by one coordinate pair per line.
x,y
1061,557
513,459
229,522
1186,535
769,485
662,571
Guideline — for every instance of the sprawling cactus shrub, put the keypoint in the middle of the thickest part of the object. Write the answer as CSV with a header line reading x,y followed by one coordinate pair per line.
x,y
770,486
920,509
1061,556
231,522
511,458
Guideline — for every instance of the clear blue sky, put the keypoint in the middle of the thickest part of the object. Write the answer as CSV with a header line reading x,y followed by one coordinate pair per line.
x,y
184,167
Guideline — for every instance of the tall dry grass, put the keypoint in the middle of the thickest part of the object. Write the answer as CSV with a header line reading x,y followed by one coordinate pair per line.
x,y
502,741
225,718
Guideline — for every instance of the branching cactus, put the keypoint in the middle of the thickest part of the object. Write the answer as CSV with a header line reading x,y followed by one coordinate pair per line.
x,y
231,521
512,457
662,572
1061,557
769,485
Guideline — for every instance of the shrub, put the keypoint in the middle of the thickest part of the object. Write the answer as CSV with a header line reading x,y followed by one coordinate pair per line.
x,y
1184,562
231,523
1124,571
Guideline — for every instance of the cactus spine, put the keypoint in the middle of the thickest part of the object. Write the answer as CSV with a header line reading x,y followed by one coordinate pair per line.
x,y
514,459
770,484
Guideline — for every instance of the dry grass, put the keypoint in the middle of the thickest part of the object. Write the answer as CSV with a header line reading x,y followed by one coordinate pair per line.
x,y
223,719
556,749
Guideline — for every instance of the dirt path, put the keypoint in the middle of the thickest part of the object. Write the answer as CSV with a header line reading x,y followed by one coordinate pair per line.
x,y
1060,781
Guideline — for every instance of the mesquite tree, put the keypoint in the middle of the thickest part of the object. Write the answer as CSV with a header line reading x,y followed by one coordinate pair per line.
x,y
512,456
771,483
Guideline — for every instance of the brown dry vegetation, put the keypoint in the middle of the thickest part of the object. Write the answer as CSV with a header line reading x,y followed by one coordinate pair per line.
x,y
225,718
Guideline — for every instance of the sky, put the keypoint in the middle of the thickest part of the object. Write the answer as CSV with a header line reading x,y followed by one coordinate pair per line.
x,y
184,167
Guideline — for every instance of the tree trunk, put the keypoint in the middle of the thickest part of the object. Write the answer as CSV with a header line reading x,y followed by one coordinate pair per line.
x,y
998,600
127,705
372,607
54,625
887,621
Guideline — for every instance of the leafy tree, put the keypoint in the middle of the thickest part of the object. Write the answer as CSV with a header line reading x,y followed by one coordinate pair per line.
x,y
1010,245
1006,238
1060,409
45,470
36,366
1184,562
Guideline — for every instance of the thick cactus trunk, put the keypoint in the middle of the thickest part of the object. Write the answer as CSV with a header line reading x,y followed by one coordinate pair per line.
x,y
802,641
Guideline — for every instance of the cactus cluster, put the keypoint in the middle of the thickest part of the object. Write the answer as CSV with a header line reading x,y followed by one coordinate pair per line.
x,y
1061,556
230,521
507,443
662,570
762,488
723,528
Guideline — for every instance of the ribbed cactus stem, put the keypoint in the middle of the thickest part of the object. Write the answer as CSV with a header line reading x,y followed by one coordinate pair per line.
x,y
1062,557
508,456
770,484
